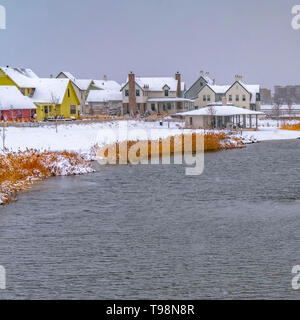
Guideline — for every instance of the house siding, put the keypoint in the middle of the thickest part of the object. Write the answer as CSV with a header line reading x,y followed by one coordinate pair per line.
x,y
194,90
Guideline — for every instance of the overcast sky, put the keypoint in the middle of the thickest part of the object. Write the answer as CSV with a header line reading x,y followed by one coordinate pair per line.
x,y
91,38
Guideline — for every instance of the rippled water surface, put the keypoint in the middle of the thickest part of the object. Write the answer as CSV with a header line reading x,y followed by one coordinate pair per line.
x,y
151,232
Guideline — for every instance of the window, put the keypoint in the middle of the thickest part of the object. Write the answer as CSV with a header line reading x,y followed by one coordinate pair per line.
x,y
208,97
137,93
19,114
196,107
191,121
153,106
169,106
139,107
237,98
164,107
230,97
244,97
72,109
258,97
45,109
126,93
201,84
204,98
166,93
68,92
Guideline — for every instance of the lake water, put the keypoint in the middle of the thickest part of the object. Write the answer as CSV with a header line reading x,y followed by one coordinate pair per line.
x,y
138,232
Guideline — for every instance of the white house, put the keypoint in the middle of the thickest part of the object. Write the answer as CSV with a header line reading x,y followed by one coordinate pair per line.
x,y
142,95
104,102
239,93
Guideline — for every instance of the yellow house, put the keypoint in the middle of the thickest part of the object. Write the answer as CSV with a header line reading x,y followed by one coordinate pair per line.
x,y
53,97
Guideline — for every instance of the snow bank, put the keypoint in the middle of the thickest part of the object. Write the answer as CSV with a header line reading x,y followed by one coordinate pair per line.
x,y
82,138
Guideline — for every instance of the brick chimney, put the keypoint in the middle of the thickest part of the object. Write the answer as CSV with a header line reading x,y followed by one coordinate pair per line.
x,y
132,96
178,78
238,78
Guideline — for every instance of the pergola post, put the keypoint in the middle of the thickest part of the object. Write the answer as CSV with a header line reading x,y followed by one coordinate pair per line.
x,y
244,121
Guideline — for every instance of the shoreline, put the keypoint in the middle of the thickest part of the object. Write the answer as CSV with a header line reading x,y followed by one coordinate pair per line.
x,y
20,170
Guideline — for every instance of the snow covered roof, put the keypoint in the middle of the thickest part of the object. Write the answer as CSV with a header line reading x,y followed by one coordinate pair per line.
x,y
219,110
252,88
207,79
50,90
282,107
24,78
12,98
107,85
82,84
104,96
219,88
157,84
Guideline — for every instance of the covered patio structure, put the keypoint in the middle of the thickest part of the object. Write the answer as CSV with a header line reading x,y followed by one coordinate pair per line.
x,y
221,117
170,105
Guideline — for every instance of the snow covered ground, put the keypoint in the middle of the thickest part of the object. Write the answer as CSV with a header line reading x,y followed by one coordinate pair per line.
x,y
81,138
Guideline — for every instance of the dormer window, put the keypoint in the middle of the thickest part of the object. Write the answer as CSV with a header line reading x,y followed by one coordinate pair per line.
x,y
137,93
166,93
126,93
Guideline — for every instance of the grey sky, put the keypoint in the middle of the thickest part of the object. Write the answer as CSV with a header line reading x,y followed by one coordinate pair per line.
x,y
91,38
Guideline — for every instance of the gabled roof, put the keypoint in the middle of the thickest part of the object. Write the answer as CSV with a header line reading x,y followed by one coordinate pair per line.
x,y
253,89
218,89
220,110
82,84
23,78
207,79
157,84
50,90
12,99
104,96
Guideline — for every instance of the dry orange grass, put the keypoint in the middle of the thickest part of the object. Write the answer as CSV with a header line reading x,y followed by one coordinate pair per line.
x,y
295,127
178,144
20,169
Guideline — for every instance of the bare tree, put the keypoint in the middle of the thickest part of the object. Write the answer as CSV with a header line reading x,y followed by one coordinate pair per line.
x,y
276,110
54,102
212,114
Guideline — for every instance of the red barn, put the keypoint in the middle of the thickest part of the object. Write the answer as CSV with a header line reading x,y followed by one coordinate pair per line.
x,y
14,105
